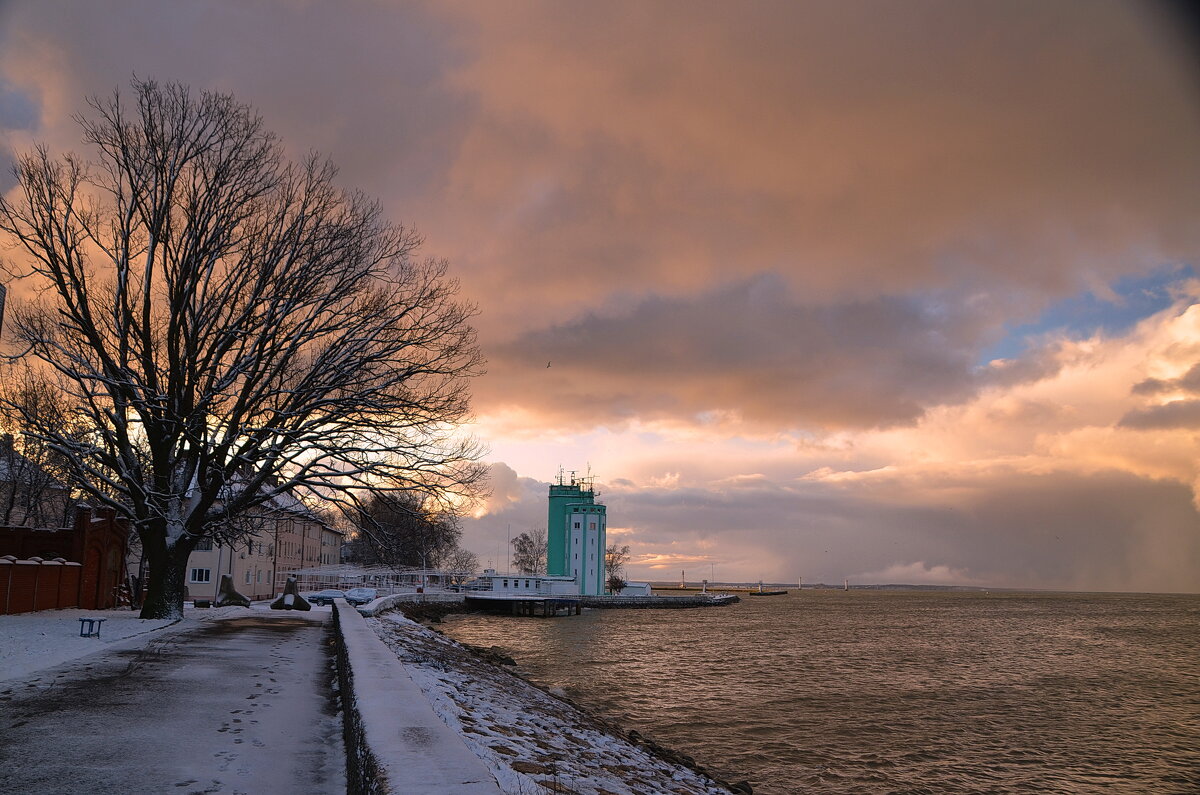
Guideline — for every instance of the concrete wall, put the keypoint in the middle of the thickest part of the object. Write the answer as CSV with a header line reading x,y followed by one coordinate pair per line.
x,y
396,744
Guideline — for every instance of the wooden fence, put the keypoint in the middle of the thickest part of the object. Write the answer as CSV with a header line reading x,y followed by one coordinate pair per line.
x,y
36,584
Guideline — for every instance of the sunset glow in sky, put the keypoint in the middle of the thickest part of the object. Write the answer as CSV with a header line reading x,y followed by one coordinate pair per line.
x,y
887,291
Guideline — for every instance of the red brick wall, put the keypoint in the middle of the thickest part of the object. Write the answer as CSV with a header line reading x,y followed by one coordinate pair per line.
x,y
96,548
68,586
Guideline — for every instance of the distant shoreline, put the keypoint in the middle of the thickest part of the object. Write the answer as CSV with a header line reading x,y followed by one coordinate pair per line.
x,y
819,586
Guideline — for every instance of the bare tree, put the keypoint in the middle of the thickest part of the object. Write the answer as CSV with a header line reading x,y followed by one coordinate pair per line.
x,y
34,480
233,325
615,559
460,565
404,530
529,551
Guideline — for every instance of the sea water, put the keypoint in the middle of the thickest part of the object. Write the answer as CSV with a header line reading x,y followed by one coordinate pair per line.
x,y
892,691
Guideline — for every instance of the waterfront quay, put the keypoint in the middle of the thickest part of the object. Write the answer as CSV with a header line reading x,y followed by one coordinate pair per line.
x,y
551,606
541,606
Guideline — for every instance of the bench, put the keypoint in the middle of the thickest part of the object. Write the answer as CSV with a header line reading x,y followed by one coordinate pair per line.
x,y
90,627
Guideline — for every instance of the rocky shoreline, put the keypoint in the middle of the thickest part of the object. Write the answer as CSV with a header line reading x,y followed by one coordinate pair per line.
x,y
532,739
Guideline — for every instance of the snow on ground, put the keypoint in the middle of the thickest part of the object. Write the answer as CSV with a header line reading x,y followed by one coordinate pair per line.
x,y
30,642
229,700
532,741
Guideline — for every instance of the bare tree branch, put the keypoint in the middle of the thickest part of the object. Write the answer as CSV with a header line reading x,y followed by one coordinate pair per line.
x,y
233,325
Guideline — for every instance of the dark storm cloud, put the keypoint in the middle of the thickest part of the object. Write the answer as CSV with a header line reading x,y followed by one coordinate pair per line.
x,y
1108,531
359,81
750,348
853,148
1105,531
572,159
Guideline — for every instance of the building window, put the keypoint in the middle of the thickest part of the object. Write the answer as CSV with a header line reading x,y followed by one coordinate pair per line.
x,y
201,575
247,577
259,575
204,544
577,525
576,556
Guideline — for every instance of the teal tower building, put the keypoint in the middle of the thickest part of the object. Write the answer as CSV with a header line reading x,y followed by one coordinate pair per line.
x,y
575,538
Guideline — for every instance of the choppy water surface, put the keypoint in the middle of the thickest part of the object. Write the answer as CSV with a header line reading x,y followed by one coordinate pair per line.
x,y
885,691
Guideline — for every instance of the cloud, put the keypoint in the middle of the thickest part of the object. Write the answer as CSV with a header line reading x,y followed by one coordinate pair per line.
x,y
854,149
1188,383
767,249
1175,414
918,573
749,350
1108,531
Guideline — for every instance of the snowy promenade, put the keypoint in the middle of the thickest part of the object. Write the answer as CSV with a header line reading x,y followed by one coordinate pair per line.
x,y
239,705
245,701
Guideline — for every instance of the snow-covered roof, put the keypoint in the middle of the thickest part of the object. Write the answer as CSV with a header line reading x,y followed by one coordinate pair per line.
x,y
283,502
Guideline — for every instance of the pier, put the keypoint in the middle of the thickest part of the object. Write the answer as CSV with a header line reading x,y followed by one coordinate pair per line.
x,y
710,588
541,606
659,602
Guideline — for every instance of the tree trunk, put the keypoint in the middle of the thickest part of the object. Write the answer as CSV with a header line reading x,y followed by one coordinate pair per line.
x,y
166,581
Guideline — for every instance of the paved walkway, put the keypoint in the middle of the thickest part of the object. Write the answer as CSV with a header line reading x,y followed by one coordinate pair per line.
x,y
235,706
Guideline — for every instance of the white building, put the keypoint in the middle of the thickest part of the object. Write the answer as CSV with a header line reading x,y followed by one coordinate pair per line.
x,y
525,584
542,584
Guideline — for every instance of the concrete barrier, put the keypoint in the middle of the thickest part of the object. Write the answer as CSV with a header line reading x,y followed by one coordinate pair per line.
x,y
395,742
385,603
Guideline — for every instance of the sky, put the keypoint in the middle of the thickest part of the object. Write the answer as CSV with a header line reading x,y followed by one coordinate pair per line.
x,y
893,292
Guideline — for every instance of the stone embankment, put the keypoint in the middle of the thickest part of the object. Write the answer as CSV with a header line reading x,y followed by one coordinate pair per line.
x,y
418,605
529,740
395,743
